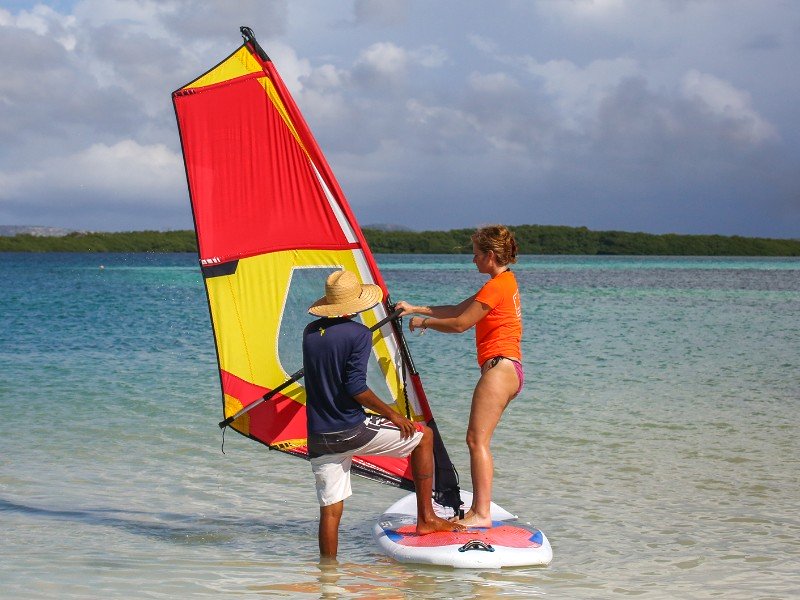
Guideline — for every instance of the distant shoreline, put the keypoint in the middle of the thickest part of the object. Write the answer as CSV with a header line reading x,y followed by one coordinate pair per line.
x,y
531,239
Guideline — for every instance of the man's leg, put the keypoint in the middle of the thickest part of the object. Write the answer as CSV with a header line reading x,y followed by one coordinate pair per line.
x,y
329,518
332,480
389,441
421,460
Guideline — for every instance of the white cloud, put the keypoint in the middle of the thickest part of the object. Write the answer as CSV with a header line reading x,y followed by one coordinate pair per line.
x,y
385,58
391,61
430,56
380,12
444,121
124,169
493,83
722,100
483,44
590,8
292,68
43,20
134,15
575,91
326,77
578,92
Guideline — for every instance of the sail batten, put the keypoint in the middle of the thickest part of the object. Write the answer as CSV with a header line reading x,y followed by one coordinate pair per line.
x,y
272,222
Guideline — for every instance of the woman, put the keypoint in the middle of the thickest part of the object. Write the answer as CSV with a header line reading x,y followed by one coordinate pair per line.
x,y
497,316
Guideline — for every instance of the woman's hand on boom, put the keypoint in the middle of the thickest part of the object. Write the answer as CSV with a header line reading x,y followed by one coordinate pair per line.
x,y
405,307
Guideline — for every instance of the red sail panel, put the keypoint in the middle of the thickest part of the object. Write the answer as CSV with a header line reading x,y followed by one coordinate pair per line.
x,y
241,157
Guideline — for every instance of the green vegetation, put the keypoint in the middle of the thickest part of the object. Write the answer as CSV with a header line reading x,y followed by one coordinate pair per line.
x,y
128,241
532,239
549,239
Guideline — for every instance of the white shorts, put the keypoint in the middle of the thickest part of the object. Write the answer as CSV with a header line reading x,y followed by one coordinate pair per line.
x,y
332,471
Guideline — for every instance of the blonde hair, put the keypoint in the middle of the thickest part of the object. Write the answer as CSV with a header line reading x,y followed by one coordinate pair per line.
x,y
500,240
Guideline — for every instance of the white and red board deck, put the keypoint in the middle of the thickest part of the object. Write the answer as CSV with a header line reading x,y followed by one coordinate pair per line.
x,y
505,544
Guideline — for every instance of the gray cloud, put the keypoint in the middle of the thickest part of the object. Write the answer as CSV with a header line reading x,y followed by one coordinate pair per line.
x,y
613,114
214,19
380,12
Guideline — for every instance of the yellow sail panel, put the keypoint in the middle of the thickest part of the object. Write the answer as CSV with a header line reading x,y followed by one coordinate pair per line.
x,y
238,64
245,312
250,306
292,444
232,406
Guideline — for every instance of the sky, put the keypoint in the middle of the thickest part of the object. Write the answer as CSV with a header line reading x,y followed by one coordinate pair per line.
x,y
661,116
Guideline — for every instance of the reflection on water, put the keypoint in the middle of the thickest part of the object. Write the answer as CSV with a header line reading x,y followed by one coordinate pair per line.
x,y
390,580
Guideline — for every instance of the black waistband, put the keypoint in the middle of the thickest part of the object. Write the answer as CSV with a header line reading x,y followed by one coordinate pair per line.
x,y
337,442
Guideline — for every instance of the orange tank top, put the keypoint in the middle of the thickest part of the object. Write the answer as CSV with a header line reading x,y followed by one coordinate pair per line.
x,y
499,333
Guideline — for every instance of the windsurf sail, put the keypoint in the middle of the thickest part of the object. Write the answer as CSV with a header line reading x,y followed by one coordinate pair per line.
x,y
272,223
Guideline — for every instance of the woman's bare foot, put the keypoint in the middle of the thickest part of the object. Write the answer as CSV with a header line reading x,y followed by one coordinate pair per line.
x,y
466,516
473,520
435,524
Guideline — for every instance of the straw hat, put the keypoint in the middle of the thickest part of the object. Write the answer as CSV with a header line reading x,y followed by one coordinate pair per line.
x,y
344,295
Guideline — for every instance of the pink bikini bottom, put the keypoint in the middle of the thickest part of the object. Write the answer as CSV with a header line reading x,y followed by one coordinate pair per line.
x,y
517,367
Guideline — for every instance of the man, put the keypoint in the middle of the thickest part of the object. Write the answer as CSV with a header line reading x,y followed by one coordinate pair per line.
x,y
336,351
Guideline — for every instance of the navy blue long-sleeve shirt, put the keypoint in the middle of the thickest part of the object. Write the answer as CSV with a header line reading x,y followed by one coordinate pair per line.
x,y
335,356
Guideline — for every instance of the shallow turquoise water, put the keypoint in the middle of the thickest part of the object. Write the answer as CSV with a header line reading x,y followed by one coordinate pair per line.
x,y
655,442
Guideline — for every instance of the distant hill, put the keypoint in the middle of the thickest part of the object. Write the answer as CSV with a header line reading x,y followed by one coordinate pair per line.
x,y
531,239
37,230
387,227
554,239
